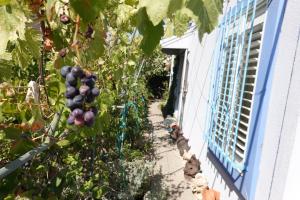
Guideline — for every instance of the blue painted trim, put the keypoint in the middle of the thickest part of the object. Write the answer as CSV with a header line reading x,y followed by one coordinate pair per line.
x,y
245,73
217,74
220,106
272,28
224,106
220,69
235,63
209,108
247,183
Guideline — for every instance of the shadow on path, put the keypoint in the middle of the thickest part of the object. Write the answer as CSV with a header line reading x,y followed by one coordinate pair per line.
x,y
168,179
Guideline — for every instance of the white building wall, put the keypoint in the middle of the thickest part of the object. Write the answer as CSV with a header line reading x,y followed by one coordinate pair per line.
x,y
195,111
280,161
200,57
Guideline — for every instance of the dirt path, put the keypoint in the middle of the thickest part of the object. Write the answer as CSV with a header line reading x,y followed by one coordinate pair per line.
x,y
169,165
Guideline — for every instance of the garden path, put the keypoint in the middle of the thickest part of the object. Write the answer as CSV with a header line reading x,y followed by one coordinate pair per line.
x,y
169,164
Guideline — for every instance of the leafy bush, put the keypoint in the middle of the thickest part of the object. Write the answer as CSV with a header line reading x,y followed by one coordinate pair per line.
x,y
115,40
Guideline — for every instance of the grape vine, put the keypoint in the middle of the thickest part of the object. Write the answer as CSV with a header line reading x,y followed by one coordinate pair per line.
x,y
84,55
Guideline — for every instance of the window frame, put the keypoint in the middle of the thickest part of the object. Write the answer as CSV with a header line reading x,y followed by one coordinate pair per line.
x,y
227,23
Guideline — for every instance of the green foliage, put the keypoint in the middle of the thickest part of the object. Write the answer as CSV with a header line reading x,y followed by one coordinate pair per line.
x,y
151,34
13,22
175,5
24,51
96,45
88,9
6,69
116,40
4,2
156,10
139,173
207,12
50,9
204,12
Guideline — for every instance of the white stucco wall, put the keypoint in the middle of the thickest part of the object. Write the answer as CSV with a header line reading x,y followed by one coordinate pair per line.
x,y
279,164
200,56
195,112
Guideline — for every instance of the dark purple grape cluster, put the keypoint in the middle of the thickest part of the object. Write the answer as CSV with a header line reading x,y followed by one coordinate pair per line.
x,y
80,91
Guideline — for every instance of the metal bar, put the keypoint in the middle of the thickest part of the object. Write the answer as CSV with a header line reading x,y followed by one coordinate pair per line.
x,y
238,64
245,71
214,87
12,166
232,85
217,150
212,78
217,81
221,66
225,132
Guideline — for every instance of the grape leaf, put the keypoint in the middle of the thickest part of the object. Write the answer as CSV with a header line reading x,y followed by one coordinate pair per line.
x,y
12,25
181,20
5,71
22,146
9,108
201,33
174,6
50,9
219,5
5,56
156,9
4,2
20,54
213,7
198,9
207,12
27,49
131,2
96,44
5,66
58,40
124,13
151,34
58,181
88,9
33,42
169,29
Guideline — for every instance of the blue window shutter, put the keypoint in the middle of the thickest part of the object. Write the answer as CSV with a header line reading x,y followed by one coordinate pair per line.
x,y
235,74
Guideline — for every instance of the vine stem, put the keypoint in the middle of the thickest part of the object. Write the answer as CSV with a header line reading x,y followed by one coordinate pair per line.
x,y
41,65
75,42
129,48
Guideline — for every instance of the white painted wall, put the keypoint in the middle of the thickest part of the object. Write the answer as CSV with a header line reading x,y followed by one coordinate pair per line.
x,y
200,57
196,106
279,170
281,141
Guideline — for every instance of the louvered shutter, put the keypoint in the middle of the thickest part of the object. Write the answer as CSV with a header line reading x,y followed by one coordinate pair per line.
x,y
235,82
